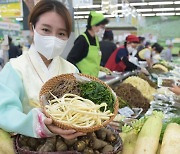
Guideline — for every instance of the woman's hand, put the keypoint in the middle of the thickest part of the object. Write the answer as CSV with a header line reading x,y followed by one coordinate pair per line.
x,y
144,70
175,89
67,134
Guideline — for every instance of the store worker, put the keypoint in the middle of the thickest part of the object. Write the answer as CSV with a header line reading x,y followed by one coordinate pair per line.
x,y
86,54
145,54
107,46
119,59
156,51
22,78
151,54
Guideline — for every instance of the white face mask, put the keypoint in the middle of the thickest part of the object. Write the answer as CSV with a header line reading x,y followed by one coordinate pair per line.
x,y
49,46
100,33
130,49
153,53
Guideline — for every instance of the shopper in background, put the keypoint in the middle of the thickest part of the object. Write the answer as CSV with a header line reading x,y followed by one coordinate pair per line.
x,y
119,59
22,78
156,51
118,44
167,53
175,89
107,46
141,45
86,54
5,49
13,50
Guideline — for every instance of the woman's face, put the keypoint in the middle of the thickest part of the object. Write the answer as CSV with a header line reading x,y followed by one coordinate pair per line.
x,y
134,45
51,24
97,28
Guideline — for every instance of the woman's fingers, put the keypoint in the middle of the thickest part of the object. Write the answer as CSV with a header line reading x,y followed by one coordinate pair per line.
x,y
56,130
67,134
175,89
59,131
72,136
48,121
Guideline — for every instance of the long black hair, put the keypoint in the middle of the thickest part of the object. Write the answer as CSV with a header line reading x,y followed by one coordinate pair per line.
x,y
157,47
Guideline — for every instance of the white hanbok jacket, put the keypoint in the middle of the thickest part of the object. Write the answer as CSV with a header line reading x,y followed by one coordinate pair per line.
x,y
20,82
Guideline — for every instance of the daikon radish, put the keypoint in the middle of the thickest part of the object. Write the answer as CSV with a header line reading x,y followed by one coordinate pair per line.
x,y
148,138
130,134
171,140
129,142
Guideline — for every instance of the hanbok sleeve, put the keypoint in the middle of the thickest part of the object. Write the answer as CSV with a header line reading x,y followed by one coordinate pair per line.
x,y
12,118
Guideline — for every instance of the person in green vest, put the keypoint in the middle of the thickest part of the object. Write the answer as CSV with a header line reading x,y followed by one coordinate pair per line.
x,y
86,54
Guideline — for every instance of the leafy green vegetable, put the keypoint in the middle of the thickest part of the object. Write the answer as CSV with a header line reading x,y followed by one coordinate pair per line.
x,y
171,120
138,124
135,125
97,93
126,128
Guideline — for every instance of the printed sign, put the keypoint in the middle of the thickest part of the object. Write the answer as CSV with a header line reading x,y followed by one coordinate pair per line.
x,y
9,26
11,9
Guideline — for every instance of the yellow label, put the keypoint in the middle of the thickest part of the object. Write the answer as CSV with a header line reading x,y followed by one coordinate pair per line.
x,y
11,10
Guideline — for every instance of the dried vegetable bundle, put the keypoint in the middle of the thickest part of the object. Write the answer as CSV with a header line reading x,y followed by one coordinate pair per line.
x,y
160,66
131,96
64,86
144,77
142,85
77,111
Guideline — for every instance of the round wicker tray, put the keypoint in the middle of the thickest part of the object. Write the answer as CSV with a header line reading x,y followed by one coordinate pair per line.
x,y
50,84
117,145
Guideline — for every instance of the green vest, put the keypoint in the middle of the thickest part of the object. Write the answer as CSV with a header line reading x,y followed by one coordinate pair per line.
x,y
91,63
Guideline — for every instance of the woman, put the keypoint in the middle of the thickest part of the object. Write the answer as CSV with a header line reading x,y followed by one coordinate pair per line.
x,y
22,78
156,50
86,54
119,59
107,46
151,54
145,54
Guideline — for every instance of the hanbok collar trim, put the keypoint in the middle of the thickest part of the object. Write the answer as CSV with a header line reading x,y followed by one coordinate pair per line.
x,y
44,72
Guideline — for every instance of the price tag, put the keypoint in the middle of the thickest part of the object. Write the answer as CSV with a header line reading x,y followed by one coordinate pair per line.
x,y
126,111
